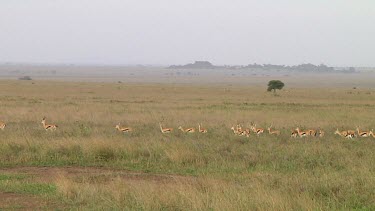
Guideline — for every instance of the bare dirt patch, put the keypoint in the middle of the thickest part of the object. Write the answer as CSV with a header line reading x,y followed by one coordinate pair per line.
x,y
97,175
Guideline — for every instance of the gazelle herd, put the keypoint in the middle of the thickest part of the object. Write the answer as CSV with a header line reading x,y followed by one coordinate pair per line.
x,y
239,130
352,133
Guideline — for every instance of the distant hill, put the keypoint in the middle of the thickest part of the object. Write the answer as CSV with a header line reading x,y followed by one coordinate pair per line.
x,y
195,65
267,67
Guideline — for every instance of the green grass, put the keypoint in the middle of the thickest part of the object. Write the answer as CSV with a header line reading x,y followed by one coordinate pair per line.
x,y
18,183
216,170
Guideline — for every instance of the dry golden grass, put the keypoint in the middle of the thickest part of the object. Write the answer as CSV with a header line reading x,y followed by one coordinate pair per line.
x,y
216,170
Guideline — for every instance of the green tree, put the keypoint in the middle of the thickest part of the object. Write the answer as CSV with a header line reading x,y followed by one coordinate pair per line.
x,y
275,84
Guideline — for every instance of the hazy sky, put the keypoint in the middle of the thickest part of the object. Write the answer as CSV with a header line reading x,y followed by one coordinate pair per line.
x,y
334,32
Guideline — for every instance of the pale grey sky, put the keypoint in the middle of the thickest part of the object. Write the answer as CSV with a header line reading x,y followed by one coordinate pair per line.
x,y
334,32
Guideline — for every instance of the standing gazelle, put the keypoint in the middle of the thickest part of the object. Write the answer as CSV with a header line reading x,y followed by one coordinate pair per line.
x,y
48,127
257,131
363,134
123,129
273,132
302,133
312,132
2,125
165,130
320,133
234,130
294,134
372,133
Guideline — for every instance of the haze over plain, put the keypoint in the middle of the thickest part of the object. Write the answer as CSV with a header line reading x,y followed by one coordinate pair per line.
x,y
337,33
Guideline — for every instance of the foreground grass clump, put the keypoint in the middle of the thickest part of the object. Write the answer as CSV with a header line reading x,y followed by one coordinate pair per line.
x,y
149,170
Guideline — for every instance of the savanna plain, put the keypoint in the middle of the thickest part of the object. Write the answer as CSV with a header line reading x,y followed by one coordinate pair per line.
x,y
87,164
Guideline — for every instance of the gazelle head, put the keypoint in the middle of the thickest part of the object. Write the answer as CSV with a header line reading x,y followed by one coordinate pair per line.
x,y
337,132
180,128
118,126
44,120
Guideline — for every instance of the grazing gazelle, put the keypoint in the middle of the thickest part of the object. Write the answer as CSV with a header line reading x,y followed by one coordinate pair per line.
x,y
201,130
257,131
165,130
273,132
2,125
363,133
189,130
123,129
48,127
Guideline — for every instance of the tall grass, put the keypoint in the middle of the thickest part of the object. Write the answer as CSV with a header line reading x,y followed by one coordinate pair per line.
x,y
216,170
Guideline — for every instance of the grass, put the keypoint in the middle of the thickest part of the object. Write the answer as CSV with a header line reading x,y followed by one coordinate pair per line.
x,y
179,171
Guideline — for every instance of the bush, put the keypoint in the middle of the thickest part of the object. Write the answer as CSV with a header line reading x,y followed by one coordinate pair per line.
x,y
25,78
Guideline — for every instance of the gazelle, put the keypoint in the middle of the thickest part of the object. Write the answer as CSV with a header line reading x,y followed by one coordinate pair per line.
x,y
239,128
2,125
189,130
320,133
48,127
238,131
247,132
344,133
372,133
258,131
165,130
294,134
201,130
312,132
235,131
273,132
302,133
352,133
363,133
123,129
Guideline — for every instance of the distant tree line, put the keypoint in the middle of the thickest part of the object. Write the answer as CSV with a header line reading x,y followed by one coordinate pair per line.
x,y
269,67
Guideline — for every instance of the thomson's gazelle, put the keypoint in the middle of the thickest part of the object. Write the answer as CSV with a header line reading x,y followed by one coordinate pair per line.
x,y
123,129
48,127
188,130
201,130
165,130
2,125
